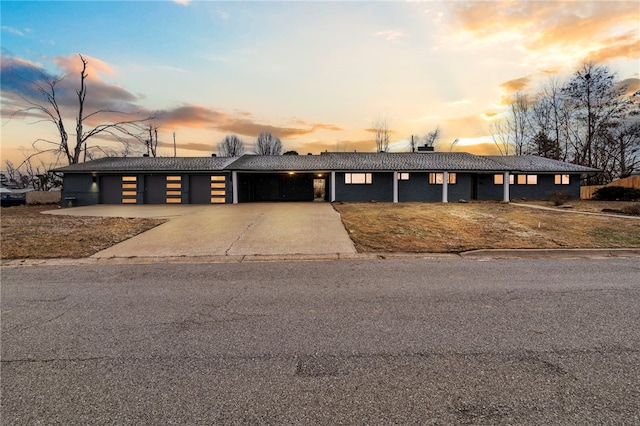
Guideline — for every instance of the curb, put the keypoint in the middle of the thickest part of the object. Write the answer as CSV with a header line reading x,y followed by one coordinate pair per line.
x,y
551,253
489,254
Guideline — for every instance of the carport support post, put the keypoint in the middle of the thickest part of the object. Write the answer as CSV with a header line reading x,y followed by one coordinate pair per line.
x,y
395,187
505,187
234,186
445,187
333,186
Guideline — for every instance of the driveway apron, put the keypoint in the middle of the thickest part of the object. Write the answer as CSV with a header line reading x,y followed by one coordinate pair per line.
x,y
242,229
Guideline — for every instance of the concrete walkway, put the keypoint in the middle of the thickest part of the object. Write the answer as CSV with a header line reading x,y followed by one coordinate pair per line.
x,y
256,229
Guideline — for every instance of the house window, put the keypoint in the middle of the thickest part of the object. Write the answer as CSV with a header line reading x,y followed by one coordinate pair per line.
x,y
357,178
562,179
527,179
218,189
499,179
129,189
173,191
438,178
403,176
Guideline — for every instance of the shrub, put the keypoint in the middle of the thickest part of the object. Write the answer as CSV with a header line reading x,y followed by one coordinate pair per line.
x,y
558,198
632,210
617,193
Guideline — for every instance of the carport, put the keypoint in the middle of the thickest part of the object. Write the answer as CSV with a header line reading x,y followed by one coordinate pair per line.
x,y
282,186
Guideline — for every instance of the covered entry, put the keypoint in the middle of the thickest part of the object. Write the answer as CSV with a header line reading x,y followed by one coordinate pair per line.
x,y
286,186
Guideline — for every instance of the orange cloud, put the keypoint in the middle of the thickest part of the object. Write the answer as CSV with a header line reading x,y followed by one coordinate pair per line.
x,y
72,65
623,48
241,122
562,29
481,148
474,127
632,85
516,85
193,116
190,146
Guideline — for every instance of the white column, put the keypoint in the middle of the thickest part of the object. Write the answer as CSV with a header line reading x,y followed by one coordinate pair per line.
x,y
234,186
445,187
505,187
333,186
395,187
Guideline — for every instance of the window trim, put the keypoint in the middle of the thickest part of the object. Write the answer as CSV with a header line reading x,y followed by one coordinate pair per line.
x,y
437,178
366,177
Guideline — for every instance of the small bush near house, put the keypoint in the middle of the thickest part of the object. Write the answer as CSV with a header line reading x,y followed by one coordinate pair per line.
x,y
558,198
632,210
617,193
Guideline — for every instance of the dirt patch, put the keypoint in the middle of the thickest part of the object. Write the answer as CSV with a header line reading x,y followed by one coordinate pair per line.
x,y
436,227
28,234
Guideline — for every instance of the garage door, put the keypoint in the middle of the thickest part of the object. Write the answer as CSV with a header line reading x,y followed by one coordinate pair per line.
x,y
118,189
207,189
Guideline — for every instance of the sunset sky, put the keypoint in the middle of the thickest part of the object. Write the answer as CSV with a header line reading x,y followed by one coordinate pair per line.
x,y
315,74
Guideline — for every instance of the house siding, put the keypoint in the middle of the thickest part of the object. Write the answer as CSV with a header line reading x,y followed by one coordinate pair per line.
x,y
545,187
380,189
80,190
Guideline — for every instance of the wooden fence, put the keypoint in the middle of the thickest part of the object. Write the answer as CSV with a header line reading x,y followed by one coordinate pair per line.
x,y
586,192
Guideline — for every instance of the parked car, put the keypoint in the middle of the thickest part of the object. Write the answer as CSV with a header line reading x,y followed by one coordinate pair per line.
x,y
9,200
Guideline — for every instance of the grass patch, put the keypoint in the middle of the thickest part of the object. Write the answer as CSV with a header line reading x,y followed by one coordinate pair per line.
x,y
29,234
436,227
374,227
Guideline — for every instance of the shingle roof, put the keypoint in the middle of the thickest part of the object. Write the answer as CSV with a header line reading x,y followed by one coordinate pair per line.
x,y
397,161
532,163
400,161
149,164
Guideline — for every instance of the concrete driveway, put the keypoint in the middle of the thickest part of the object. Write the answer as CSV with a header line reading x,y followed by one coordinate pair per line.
x,y
255,229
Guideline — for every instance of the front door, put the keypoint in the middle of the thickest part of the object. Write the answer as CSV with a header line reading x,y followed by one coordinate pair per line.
x,y
319,189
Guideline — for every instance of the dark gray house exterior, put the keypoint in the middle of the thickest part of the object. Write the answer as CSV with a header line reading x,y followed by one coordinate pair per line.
x,y
384,177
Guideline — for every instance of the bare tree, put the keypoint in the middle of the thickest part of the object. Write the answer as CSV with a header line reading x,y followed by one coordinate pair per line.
x,y
432,137
268,144
49,107
381,134
595,102
231,146
15,176
511,134
151,141
519,123
549,118
500,133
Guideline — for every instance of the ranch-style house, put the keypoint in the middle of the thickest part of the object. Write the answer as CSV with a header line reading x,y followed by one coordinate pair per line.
x,y
384,177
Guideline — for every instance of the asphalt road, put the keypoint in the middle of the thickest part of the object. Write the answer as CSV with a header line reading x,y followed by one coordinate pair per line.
x,y
449,341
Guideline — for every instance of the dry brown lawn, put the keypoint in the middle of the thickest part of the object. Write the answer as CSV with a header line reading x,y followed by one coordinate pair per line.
x,y
374,227
453,227
28,234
